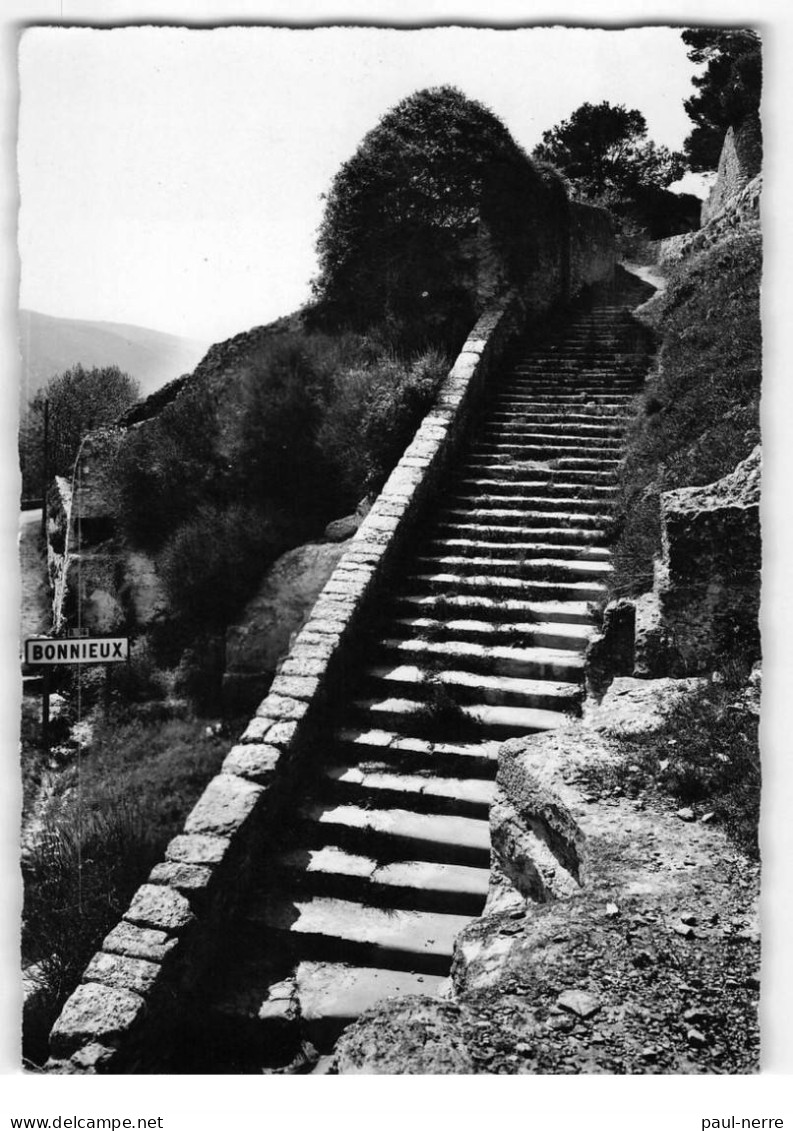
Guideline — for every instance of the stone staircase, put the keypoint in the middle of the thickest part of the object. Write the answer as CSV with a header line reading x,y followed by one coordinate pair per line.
x,y
482,638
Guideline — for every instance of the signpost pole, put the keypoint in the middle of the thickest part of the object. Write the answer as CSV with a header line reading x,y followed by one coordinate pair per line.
x,y
45,710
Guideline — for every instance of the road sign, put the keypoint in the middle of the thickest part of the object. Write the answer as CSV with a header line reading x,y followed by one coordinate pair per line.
x,y
85,650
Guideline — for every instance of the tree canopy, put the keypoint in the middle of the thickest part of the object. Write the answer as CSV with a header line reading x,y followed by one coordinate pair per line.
x,y
728,89
604,152
399,211
79,400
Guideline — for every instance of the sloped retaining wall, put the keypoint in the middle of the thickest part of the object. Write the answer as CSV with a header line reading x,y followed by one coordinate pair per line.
x,y
120,1018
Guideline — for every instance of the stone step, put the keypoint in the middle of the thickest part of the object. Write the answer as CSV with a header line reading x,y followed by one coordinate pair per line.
x,y
517,550
487,722
541,499
599,417
537,516
382,784
565,461
553,569
502,660
473,688
513,485
421,941
550,535
564,440
495,609
390,834
518,402
333,994
417,885
379,746
554,424
578,382
528,634
508,586
537,470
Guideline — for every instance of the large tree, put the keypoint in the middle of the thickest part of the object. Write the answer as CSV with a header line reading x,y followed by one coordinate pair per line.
x,y
728,89
392,241
75,401
604,152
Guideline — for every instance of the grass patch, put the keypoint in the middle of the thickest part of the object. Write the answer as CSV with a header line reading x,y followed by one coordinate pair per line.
x,y
706,755
121,804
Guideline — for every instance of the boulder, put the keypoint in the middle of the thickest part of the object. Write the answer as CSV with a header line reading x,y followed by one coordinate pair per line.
x,y
260,639
634,707
405,1036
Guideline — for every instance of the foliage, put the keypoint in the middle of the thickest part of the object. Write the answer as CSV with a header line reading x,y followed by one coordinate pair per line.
x,y
372,416
604,152
167,468
212,562
699,414
397,242
728,88
78,401
706,754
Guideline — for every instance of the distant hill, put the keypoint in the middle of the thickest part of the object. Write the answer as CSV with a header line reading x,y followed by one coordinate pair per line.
x,y
49,345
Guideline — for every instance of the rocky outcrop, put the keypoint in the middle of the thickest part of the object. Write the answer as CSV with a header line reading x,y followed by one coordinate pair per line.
x,y
260,639
706,597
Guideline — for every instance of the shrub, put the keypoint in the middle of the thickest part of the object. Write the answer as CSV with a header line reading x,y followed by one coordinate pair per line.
x,y
213,562
372,417
167,468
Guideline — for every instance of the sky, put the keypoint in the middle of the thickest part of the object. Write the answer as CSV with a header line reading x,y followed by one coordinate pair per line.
x,y
172,177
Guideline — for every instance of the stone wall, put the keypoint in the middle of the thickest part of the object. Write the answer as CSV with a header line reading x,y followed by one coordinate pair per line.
x,y
592,249
739,163
119,1017
742,211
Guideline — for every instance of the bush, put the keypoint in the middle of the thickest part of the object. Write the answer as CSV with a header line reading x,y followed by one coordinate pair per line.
x,y
699,415
397,242
372,416
167,468
212,564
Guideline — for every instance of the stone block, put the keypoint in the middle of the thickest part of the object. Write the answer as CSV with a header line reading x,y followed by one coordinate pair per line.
x,y
283,735
197,848
224,807
302,662
282,708
139,942
95,1014
190,879
123,972
255,762
161,907
330,628
257,729
295,686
